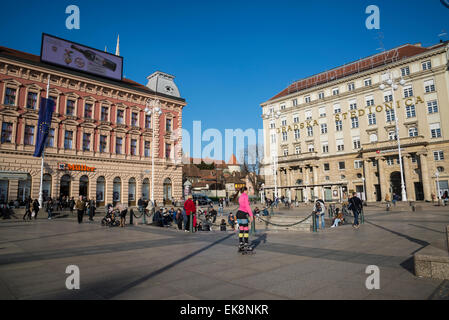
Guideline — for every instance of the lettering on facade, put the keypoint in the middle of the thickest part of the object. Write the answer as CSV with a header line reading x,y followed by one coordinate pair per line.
x,y
354,113
76,167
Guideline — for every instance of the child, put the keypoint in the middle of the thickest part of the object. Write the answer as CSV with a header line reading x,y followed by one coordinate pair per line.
x,y
231,221
223,225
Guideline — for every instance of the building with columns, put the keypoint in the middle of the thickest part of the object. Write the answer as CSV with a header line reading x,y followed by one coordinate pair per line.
x,y
334,133
101,139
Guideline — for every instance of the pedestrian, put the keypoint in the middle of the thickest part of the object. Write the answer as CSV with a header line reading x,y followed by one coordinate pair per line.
x,y
179,218
72,205
231,221
190,209
80,206
91,209
220,207
122,212
395,199
35,208
355,204
28,208
445,197
319,212
50,206
244,217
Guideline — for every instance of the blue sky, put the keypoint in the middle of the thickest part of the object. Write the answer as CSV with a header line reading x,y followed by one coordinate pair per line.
x,y
227,56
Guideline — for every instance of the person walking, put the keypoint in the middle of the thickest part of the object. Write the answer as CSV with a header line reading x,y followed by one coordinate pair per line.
x,y
190,209
28,208
35,208
220,207
319,210
80,206
72,205
244,217
356,205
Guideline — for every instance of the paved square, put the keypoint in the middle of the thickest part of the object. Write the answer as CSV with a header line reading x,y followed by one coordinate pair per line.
x,y
145,262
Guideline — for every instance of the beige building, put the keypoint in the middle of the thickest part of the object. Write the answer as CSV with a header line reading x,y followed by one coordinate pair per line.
x,y
334,133
101,140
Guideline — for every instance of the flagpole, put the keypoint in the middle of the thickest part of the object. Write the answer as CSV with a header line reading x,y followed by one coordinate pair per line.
x,y
41,196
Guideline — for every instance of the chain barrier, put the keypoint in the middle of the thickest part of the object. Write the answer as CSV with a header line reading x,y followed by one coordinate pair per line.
x,y
286,225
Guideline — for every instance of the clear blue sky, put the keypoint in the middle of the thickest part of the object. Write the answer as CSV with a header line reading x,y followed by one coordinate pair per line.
x,y
227,56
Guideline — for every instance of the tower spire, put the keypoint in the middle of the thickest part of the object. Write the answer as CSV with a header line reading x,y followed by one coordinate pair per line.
x,y
117,48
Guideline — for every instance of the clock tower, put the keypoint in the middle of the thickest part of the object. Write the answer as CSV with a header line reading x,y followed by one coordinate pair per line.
x,y
161,82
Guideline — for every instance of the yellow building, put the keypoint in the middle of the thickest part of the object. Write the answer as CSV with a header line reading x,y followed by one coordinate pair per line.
x,y
335,133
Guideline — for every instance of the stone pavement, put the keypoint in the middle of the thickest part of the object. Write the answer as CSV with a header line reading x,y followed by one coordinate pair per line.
x,y
144,262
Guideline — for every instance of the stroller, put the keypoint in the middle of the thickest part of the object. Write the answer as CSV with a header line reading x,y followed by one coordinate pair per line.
x,y
112,218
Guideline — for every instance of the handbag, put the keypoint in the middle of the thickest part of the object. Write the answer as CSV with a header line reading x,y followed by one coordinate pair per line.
x,y
33,214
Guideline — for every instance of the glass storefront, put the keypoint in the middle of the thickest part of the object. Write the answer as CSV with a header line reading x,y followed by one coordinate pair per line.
x,y
146,190
46,186
117,190
3,191
101,183
24,190
132,192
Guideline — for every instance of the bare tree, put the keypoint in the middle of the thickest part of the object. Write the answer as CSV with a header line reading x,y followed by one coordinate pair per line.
x,y
251,159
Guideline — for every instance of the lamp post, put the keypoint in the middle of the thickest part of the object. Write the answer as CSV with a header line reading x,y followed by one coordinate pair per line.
x,y
272,115
391,83
437,175
153,107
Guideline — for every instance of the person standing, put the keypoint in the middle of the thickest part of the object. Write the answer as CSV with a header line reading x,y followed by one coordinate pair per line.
x,y
319,211
244,217
72,205
50,207
190,209
356,205
179,219
35,208
220,207
80,206
91,209
122,211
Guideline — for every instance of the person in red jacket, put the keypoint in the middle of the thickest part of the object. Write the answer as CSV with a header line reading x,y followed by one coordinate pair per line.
x,y
190,209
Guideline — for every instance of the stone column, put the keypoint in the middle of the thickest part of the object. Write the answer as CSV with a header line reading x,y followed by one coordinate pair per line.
x,y
408,180
315,180
93,188
75,185
109,186
55,184
384,189
425,176
369,185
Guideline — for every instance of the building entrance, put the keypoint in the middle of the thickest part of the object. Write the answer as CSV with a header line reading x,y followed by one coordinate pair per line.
x,y
395,181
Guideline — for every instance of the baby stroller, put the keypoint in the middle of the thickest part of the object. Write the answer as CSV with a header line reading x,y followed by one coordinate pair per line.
x,y
112,218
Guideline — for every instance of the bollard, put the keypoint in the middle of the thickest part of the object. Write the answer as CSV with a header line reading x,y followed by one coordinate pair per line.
x,y
253,227
314,222
362,217
131,217
143,218
191,222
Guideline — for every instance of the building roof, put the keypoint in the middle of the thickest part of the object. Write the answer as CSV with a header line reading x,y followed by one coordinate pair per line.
x,y
36,60
233,160
391,56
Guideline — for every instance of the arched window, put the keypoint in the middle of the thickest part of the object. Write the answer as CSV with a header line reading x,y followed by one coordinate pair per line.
x,y
146,189
84,186
101,184
46,186
24,190
117,190
167,190
132,192
64,190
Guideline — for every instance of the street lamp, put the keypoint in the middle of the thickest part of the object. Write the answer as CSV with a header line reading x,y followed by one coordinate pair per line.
x,y
153,107
391,83
272,115
437,175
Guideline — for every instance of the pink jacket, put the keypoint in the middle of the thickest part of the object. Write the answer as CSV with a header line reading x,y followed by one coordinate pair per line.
x,y
244,204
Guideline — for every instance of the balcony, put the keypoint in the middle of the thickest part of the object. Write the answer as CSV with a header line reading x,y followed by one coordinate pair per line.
x,y
393,144
298,157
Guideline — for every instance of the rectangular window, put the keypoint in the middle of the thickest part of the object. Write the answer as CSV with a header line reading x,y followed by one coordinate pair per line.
x,y
308,115
388,97
322,112
133,147
147,122
32,100
438,155
390,115
435,130
70,110
29,135
104,113
353,106
68,139
405,71
272,125
413,132
285,152
297,134
284,122
50,143
341,165
368,82
103,144
6,132
295,102
340,145
323,128
167,151
429,86
297,150
88,110
432,107
86,141
337,109
358,164
351,86
339,125
410,111
335,91
326,167
120,116
295,119
284,136
356,143
311,148
426,65
325,148
118,145
321,95
369,101
391,135
147,149
355,122
372,119
283,107
310,131
307,99
10,96
408,92
134,119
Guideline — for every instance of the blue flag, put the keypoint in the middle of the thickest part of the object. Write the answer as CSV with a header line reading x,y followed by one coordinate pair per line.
x,y
47,107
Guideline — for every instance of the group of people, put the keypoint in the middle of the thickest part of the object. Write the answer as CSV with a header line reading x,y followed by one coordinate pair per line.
x,y
354,204
83,206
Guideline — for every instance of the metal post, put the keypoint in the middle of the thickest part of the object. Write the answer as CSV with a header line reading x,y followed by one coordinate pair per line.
x,y
253,226
191,222
131,217
314,222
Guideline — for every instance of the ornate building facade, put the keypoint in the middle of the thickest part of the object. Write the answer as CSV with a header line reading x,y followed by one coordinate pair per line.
x,y
101,139
335,133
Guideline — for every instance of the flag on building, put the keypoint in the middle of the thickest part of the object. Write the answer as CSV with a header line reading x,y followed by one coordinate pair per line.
x,y
47,107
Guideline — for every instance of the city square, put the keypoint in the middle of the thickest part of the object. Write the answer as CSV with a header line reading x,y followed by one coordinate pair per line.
x,y
147,262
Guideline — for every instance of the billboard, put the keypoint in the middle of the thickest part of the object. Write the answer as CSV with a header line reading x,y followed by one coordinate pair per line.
x,y
78,57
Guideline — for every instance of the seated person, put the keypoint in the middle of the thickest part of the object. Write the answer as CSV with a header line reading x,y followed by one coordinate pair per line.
x,y
200,226
257,211
338,220
223,225
265,212
213,214
231,221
